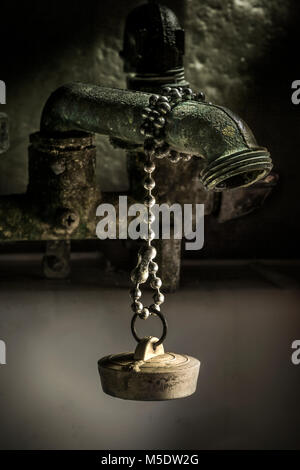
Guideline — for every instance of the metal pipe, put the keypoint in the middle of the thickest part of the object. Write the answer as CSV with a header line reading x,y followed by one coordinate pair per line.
x,y
232,156
21,220
107,111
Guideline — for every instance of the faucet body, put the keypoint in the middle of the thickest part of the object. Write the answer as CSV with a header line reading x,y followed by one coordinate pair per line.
x,y
230,152
62,193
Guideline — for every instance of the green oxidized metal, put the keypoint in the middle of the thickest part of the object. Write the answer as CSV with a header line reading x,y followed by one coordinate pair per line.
x,y
231,155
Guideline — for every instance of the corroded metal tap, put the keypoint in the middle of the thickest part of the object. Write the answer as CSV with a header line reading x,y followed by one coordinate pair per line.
x,y
62,196
231,155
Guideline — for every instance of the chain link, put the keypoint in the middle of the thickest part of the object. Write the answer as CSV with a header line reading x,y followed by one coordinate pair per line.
x,y
155,146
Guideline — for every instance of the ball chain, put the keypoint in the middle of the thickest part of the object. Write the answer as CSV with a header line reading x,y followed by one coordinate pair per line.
x,y
153,129
155,117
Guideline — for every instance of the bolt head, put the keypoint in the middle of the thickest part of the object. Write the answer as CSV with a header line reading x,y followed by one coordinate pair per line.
x,y
68,219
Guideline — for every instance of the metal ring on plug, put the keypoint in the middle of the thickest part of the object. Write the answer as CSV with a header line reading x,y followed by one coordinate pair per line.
x,y
163,320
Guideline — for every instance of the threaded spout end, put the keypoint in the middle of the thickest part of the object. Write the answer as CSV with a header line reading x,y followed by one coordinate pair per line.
x,y
237,170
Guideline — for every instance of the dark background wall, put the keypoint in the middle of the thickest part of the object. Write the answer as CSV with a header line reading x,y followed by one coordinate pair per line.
x,y
242,53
